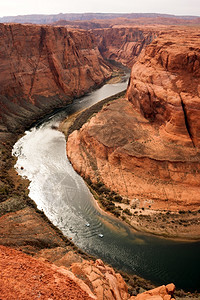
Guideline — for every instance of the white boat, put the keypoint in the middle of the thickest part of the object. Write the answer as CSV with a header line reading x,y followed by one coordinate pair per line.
x,y
100,235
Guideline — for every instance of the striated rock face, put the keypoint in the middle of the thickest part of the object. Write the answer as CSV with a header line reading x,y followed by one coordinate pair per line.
x,y
165,86
43,67
146,147
123,43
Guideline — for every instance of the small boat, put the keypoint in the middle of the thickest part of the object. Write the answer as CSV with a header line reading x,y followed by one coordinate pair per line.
x,y
100,235
88,224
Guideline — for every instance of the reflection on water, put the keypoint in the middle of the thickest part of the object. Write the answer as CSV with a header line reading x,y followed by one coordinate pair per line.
x,y
63,196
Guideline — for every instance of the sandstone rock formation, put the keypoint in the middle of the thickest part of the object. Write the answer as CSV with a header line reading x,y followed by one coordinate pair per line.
x,y
104,282
146,147
43,67
123,43
160,293
24,277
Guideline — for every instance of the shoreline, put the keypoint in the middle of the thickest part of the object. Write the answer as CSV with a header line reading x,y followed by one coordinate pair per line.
x,y
142,229
137,218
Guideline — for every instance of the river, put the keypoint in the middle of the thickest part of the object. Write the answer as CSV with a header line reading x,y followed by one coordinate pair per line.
x,y
63,196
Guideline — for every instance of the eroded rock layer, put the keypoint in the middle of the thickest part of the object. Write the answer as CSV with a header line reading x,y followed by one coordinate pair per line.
x,y
43,67
146,146
123,43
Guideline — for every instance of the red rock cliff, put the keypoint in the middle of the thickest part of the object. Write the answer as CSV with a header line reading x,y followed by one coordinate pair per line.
x,y
165,86
44,67
146,147
123,43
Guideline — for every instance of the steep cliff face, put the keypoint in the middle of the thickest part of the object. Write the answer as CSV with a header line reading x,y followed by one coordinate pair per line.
x,y
165,86
123,43
42,67
146,147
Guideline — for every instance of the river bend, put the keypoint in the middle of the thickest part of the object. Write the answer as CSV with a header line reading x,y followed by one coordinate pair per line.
x,y
63,196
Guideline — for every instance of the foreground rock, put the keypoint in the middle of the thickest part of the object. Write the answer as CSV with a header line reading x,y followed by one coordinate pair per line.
x,y
146,147
160,293
24,277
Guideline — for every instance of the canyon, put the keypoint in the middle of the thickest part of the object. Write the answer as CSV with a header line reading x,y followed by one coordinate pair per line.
x,y
123,44
43,68
46,67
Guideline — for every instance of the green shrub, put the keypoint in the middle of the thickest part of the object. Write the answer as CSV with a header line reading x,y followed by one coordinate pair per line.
x,y
127,211
118,198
